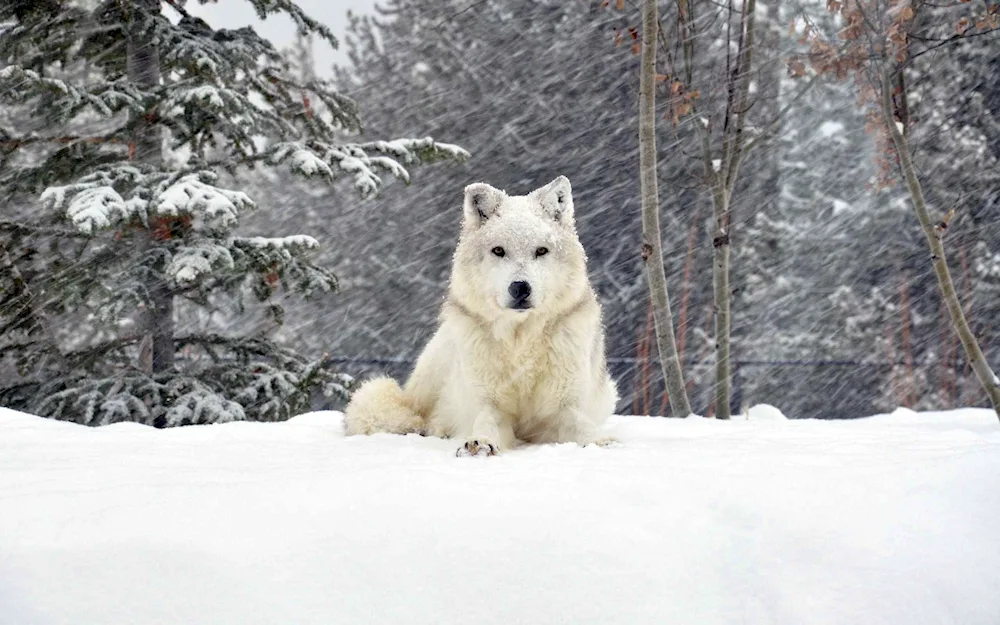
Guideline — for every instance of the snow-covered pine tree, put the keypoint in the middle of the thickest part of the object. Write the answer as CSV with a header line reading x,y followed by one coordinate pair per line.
x,y
134,221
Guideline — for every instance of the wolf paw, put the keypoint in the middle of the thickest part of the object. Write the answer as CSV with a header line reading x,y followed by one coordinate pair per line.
x,y
604,441
477,447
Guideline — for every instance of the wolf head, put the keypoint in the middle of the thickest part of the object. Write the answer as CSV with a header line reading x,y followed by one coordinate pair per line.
x,y
518,255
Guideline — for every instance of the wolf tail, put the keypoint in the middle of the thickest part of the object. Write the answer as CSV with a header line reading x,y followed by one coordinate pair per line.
x,y
380,405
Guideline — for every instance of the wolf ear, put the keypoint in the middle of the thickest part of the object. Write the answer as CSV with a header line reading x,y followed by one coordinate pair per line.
x,y
481,202
556,199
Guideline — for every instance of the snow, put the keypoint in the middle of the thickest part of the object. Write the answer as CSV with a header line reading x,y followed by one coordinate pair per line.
x,y
204,94
364,161
189,195
840,206
309,164
302,160
295,240
193,261
890,519
765,412
91,209
830,129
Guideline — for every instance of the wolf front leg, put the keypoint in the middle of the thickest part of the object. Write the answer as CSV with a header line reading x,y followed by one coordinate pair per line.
x,y
491,434
579,428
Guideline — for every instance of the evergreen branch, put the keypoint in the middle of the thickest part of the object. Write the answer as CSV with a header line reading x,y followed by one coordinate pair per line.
x,y
303,23
15,143
179,8
22,229
22,346
85,358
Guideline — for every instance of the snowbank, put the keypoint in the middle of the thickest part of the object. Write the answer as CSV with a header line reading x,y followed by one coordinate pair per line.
x,y
764,412
884,520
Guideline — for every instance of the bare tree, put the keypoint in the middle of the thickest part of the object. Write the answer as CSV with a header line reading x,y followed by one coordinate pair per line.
x,y
721,158
883,37
652,251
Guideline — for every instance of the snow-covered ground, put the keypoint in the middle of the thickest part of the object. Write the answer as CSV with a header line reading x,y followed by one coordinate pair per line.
x,y
891,519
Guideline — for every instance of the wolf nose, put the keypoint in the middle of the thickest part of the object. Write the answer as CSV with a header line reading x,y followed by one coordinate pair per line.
x,y
519,290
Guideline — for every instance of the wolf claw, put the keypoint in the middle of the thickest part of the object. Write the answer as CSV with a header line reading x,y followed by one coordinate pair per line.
x,y
606,441
477,448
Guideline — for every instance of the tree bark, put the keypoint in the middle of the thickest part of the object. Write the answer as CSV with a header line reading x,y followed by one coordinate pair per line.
x,y
725,184
934,233
652,250
722,294
143,63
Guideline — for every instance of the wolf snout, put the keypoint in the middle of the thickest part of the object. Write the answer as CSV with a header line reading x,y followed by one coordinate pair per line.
x,y
519,291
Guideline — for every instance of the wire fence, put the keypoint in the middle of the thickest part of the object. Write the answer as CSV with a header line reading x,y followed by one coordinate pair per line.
x,y
626,371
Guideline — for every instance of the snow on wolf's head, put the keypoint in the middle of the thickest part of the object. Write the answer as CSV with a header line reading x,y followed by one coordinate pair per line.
x,y
519,255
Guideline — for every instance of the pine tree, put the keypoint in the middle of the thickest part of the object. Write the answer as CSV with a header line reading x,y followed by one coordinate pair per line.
x,y
135,224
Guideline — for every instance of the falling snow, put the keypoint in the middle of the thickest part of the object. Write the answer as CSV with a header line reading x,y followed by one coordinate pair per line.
x,y
208,230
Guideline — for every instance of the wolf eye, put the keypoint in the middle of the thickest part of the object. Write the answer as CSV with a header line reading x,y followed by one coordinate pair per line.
x,y
542,251
498,252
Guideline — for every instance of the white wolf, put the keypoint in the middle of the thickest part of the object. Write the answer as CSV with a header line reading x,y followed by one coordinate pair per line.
x,y
519,353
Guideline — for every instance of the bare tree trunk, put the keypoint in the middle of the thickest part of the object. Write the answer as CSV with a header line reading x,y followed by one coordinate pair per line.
x,y
143,62
720,282
733,147
722,174
934,233
652,252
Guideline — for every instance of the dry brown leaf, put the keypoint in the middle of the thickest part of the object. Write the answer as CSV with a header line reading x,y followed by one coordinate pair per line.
x,y
796,68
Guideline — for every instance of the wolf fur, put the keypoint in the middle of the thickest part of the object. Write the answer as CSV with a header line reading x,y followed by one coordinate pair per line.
x,y
519,352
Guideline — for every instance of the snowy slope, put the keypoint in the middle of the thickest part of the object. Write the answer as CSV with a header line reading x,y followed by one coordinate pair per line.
x,y
891,519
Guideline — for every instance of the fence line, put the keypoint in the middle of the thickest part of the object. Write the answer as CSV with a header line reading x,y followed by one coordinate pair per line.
x,y
396,360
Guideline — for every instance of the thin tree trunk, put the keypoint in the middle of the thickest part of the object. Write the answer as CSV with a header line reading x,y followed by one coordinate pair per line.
x,y
904,311
143,62
685,298
724,173
987,378
652,252
720,281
